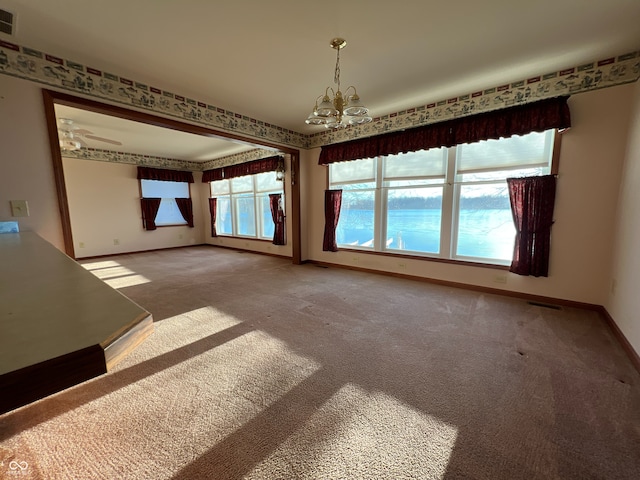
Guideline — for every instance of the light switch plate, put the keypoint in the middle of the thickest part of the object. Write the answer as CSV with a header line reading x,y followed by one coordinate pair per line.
x,y
19,208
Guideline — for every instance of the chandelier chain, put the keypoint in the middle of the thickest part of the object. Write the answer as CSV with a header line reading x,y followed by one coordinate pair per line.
x,y
336,76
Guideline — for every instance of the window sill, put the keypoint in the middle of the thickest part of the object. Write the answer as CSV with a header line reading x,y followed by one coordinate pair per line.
x,y
237,237
470,263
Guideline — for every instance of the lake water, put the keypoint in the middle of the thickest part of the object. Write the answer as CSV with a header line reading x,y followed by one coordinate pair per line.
x,y
482,233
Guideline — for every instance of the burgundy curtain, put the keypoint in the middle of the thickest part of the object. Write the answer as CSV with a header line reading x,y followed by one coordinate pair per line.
x,y
518,120
148,173
269,164
532,200
150,208
332,203
213,207
278,218
185,205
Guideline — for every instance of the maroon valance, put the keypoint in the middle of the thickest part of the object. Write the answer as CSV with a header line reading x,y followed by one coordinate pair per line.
x,y
269,164
212,175
148,173
519,120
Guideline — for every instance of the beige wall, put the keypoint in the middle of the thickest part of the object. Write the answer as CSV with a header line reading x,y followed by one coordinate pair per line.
x,y
593,154
26,169
590,167
623,302
26,173
104,206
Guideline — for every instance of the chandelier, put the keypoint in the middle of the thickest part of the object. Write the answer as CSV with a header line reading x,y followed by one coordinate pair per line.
x,y
342,109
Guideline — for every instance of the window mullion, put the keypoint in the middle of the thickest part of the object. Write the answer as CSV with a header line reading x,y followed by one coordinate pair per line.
x,y
232,210
380,207
257,227
446,226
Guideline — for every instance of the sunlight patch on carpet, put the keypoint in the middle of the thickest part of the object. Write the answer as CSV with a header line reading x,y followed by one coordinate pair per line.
x,y
173,413
99,265
359,434
115,275
180,331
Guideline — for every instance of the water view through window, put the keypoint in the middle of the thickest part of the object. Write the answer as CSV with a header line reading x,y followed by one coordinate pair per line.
x,y
451,203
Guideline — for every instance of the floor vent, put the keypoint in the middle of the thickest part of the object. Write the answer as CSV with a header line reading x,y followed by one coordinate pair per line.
x,y
545,305
7,22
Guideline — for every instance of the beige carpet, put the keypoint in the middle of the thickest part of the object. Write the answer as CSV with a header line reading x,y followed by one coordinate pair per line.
x,y
263,370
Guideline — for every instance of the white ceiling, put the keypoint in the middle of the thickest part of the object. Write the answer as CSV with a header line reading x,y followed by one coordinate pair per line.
x,y
147,139
271,59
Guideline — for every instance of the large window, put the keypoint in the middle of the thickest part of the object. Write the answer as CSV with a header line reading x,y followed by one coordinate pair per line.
x,y
444,202
243,205
168,213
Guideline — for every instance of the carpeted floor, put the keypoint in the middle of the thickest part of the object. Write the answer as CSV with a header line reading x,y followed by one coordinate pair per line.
x,y
260,369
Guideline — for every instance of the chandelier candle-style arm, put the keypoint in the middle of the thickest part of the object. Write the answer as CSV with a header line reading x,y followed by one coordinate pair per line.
x,y
332,110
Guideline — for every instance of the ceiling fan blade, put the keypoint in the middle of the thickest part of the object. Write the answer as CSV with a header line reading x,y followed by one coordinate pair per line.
x,y
101,139
81,131
83,144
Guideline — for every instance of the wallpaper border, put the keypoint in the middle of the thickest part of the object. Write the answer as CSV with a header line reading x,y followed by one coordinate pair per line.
x,y
34,65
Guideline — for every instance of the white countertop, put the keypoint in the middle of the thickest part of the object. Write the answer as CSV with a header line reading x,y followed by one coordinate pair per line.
x,y
50,305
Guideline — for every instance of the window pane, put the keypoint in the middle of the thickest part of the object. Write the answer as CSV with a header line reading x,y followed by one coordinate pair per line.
x,y
355,226
219,187
223,216
245,215
502,174
162,189
485,223
242,184
169,214
267,181
531,150
425,163
266,219
355,186
423,182
413,219
353,171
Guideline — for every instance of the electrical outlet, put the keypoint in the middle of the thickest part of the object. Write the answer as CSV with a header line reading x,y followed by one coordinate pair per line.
x,y
116,241
402,265
502,278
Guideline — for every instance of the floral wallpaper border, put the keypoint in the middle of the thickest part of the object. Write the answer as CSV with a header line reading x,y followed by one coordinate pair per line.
x,y
30,64
237,158
41,67
162,162
591,76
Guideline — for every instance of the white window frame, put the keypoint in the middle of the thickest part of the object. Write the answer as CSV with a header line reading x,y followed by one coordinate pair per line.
x,y
257,195
178,220
452,185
